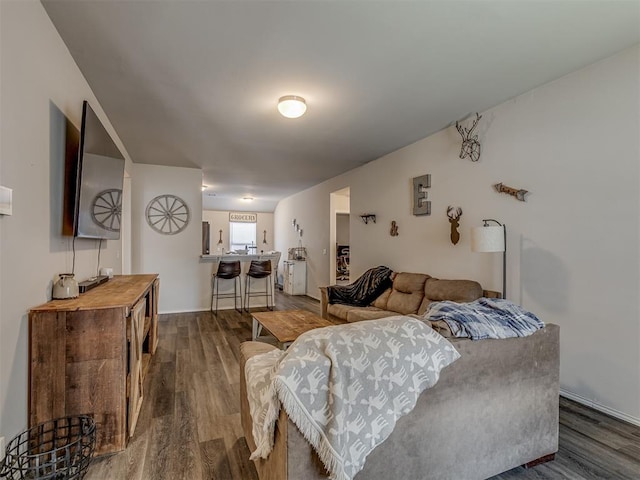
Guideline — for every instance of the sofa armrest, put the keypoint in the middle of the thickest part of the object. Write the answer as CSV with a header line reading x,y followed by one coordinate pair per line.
x,y
491,294
324,302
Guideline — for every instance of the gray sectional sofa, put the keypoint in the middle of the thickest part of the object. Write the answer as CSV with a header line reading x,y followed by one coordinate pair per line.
x,y
493,409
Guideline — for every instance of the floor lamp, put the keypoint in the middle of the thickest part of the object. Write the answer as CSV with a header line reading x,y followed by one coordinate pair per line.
x,y
492,238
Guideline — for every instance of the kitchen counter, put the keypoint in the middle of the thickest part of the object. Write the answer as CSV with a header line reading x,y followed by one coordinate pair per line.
x,y
242,258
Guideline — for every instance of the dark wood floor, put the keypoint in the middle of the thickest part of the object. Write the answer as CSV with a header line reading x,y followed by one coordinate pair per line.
x,y
189,426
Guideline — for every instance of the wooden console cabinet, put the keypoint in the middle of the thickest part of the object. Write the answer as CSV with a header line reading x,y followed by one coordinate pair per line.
x,y
89,355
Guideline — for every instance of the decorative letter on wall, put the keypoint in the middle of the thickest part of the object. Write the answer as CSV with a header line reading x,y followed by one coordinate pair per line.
x,y
421,206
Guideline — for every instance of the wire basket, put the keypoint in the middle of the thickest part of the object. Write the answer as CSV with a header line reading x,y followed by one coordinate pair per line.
x,y
59,449
297,253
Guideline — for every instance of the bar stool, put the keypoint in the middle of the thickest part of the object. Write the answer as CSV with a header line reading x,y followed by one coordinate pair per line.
x,y
227,271
258,269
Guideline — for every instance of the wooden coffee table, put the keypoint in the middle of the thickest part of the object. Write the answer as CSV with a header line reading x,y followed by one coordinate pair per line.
x,y
286,325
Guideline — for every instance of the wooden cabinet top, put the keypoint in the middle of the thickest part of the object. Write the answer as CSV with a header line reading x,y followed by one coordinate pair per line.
x,y
120,291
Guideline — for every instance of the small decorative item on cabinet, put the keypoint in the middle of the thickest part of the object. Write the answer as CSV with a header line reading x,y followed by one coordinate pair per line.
x,y
297,253
394,229
454,214
368,217
519,194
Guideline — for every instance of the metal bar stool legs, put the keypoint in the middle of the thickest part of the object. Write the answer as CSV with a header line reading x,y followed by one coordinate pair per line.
x,y
227,271
258,269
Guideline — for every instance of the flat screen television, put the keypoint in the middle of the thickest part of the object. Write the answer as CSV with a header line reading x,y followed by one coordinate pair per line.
x,y
94,173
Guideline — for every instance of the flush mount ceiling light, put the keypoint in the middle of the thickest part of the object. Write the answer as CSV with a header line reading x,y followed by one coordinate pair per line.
x,y
292,106
247,199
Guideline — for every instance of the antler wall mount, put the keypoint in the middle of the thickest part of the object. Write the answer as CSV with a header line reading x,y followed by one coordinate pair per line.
x,y
470,144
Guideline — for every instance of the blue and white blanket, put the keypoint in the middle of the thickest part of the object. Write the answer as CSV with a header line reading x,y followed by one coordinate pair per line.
x,y
484,318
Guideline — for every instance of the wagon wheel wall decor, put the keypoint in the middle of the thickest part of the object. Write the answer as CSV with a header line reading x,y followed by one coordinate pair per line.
x,y
106,209
168,214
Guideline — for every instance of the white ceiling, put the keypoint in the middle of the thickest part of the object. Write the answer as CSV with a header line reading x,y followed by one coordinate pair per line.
x,y
195,83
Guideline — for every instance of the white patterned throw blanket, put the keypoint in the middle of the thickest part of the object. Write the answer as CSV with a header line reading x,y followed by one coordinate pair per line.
x,y
345,386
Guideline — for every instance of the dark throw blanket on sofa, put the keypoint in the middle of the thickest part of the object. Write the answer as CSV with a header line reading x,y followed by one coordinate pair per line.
x,y
364,290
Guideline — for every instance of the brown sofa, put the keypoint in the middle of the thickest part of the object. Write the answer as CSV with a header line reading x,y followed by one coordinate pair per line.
x,y
411,293
493,409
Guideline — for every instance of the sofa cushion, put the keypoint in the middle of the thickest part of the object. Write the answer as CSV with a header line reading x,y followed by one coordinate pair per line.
x,y
381,301
460,291
368,313
340,311
407,294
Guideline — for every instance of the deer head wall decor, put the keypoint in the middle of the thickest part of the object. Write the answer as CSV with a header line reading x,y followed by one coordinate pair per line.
x,y
470,144
454,214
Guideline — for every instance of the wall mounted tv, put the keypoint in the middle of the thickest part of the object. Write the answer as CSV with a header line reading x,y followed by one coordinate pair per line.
x,y
94,172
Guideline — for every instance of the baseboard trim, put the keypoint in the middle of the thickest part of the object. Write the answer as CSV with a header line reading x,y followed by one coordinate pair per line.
x,y
601,408
169,312
203,309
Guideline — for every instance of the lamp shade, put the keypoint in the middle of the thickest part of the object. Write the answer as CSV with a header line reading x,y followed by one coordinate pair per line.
x,y
487,239
292,106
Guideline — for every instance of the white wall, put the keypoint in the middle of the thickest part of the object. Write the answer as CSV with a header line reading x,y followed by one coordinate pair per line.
x,y
40,83
573,246
175,257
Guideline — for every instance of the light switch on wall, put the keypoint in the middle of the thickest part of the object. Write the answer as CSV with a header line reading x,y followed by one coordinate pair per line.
x,y
324,251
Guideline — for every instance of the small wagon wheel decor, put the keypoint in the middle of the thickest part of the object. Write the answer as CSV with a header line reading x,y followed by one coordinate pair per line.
x,y
168,214
106,209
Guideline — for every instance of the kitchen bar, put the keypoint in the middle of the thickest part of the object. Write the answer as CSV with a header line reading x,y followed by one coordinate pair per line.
x,y
245,260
